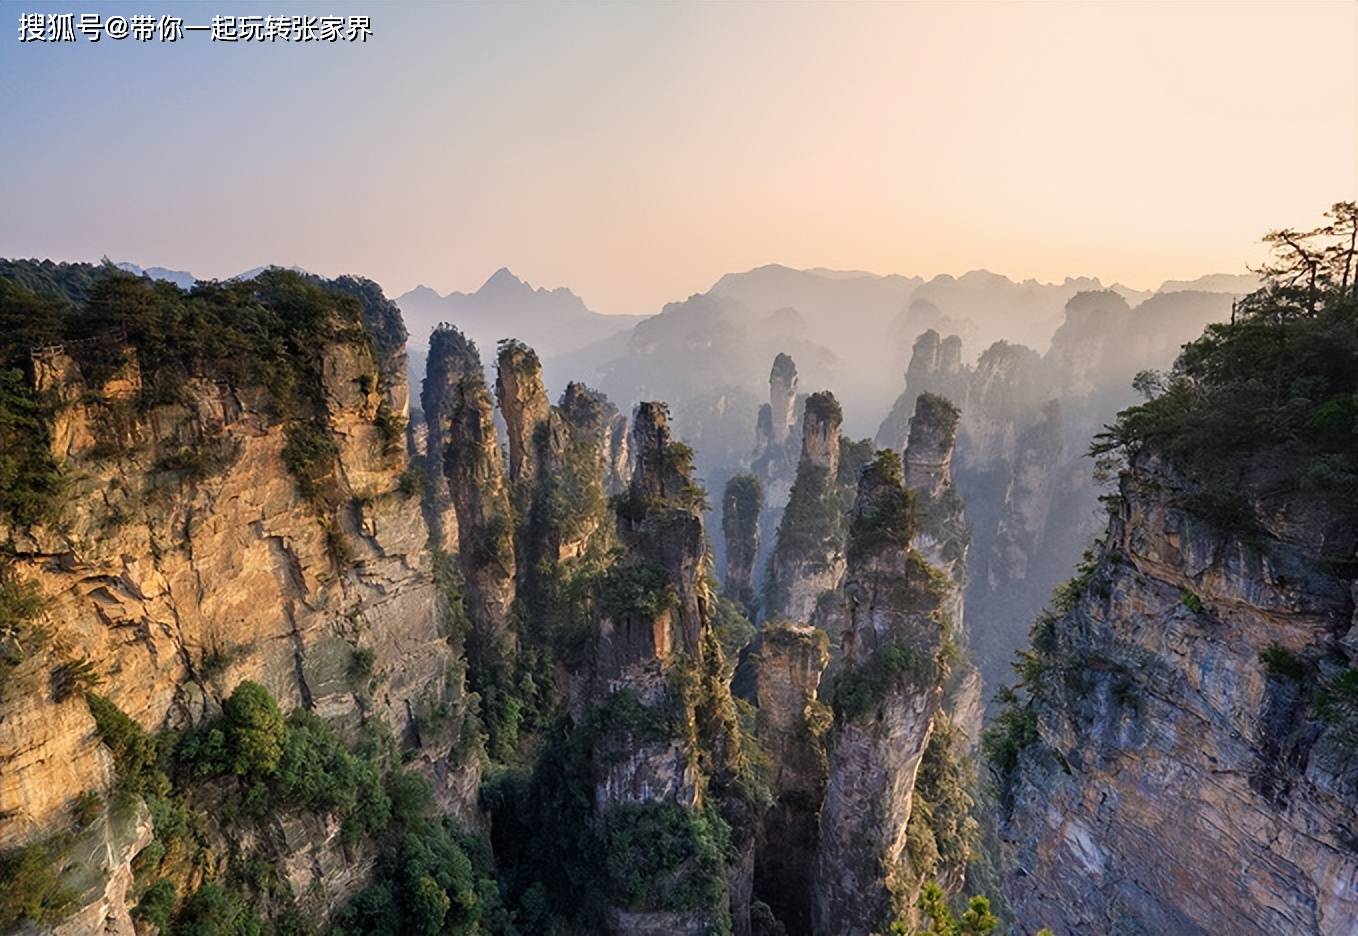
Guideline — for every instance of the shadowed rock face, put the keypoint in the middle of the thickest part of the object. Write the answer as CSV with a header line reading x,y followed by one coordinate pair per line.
x,y
571,448
1179,783
660,629
589,411
451,358
670,537
763,432
740,508
1027,500
782,674
474,470
777,450
808,558
885,702
943,537
523,404
950,355
655,475
1031,500
618,454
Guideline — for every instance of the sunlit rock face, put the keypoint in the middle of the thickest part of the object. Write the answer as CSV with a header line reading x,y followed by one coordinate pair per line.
x,y
1180,781
187,557
929,449
820,432
523,404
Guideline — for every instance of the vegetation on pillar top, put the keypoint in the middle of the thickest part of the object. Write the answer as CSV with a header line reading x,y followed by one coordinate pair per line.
x,y
883,514
938,415
823,406
784,368
740,505
515,353
1281,376
585,407
452,356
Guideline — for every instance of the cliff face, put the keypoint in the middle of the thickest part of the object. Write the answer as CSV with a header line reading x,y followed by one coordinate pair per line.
x,y
783,668
741,505
523,404
668,534
657,655
1177,779
782,398
429,442
943,537
808,558
885,701
194,547
776,450
929,449
935,367
1027,501
1026,420
473,468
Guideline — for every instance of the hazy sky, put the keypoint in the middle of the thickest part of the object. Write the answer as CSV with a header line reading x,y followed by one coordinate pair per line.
x,y
637,152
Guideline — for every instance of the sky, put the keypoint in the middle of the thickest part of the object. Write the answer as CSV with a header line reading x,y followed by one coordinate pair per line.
x,y
637,152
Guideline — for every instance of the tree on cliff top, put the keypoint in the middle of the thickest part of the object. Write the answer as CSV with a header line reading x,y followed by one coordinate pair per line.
x,y
1281,377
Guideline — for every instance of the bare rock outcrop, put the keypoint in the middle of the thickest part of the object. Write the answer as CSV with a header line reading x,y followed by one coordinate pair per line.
x,y
943,537
741,504
929,449
782,398
885,701
1169,775
782,674
1027,500
935,367
776,450
473,467
808,559
523,404
666,745
205,540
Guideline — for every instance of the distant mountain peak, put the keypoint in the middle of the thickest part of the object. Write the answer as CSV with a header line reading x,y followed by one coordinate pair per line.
x,y
502,279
